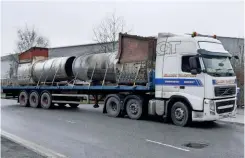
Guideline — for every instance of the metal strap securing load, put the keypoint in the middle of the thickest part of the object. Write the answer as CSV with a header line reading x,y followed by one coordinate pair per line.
x,y
103,82
55,74
91,79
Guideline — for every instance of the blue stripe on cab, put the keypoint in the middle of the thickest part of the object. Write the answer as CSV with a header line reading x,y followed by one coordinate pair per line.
x,y
178,82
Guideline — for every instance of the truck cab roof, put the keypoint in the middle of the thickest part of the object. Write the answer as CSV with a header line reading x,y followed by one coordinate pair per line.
x,y
190,44
186,37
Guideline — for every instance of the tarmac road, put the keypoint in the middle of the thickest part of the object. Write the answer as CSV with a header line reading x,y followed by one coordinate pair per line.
x,y
87,133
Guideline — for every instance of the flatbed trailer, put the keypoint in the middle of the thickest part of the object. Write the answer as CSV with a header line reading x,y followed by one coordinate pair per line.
x,y
47,95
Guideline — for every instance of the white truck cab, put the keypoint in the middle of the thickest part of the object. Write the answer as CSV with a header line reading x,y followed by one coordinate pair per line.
x,y
194,79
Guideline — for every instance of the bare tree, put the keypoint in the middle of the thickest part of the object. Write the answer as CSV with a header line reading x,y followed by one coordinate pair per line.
x,y
238,66
14,62
26,39
108,32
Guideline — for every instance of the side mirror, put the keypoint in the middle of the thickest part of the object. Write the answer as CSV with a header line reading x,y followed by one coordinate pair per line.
x,y
193,71
193,65
236,57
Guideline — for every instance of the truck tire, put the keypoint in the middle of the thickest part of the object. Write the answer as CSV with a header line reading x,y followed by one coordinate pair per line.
x,y
23,99
113,107
34,99
74,105
180,114
46,100
134,108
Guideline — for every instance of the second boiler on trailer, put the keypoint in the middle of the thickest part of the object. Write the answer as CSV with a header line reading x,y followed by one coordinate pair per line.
x,y
96,67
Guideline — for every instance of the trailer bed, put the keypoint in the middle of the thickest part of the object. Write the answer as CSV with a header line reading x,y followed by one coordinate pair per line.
x,y
119,88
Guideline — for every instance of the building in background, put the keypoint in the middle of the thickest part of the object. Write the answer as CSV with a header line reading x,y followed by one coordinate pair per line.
x,y
78,50
32,52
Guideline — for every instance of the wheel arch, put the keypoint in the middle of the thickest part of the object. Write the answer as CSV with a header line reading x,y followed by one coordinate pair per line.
x,y
130,96
34,90
177,98
45,91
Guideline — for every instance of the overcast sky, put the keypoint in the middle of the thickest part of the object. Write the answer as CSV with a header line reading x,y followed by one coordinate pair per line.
x,y
70,23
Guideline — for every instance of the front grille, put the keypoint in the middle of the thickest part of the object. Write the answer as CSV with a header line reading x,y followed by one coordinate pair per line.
x,y
224,103
224,91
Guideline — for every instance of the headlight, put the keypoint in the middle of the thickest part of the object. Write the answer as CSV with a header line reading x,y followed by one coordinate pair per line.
x,y
212,105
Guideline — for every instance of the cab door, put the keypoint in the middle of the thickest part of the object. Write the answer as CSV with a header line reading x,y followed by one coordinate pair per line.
x,y
191,86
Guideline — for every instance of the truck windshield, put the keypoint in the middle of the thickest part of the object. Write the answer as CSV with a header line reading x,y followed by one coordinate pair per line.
x,y
218,66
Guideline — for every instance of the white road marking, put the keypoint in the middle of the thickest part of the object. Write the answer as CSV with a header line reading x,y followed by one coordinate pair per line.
x,y
171,146
70,121
32,146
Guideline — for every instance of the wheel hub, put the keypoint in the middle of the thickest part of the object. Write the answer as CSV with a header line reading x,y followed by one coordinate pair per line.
x,y
179,113
34,99
22,99
134,108
45,100
114,106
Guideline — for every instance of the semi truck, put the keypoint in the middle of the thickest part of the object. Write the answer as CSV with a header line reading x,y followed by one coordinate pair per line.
x,y
180,78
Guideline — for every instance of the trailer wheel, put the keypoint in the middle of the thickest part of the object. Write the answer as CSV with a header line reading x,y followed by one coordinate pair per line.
x,y
113,107
46,100
134,108
180,114
34,99
74,105
23,99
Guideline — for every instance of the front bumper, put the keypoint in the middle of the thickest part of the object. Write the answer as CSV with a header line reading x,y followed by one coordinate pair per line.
x,y
216,109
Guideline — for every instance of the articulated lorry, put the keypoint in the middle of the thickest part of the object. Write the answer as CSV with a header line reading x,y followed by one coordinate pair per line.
x,y
181,78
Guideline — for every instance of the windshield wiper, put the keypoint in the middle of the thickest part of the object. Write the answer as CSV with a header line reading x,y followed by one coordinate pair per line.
x,y
216,72
217,69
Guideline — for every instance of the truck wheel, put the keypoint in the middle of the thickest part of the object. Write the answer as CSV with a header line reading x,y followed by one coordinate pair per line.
x,y
113,107
34,99
180,114
134,108
74,105
46,100
23,99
